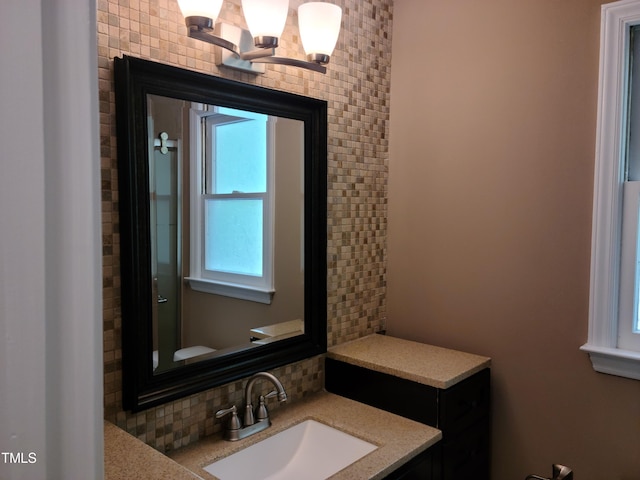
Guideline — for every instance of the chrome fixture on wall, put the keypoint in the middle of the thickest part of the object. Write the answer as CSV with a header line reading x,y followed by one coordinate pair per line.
x,y
319,24
560,472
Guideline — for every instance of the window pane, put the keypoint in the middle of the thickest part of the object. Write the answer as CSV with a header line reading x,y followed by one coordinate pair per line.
x,y
631,199
636,307
233,236
241,154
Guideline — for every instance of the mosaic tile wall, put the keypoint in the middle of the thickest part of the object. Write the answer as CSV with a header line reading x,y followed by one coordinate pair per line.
x,y
356,88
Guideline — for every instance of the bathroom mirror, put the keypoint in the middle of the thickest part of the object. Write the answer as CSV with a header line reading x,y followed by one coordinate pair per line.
x,y
222,195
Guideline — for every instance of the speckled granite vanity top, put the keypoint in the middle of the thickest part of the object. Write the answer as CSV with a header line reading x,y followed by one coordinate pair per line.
x,y
434,366
398,439
126,457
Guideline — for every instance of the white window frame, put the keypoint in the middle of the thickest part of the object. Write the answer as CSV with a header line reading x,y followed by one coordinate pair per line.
x,y
607,235
197,279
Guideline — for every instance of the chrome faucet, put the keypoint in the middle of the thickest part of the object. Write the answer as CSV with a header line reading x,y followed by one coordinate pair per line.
x,y
261,412
257,421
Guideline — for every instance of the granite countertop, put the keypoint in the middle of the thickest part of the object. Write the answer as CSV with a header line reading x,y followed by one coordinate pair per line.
x,y
126,457
426,364
398,439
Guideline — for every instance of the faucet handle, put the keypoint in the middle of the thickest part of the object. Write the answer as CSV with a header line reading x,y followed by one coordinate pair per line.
x,y
261,410
234,422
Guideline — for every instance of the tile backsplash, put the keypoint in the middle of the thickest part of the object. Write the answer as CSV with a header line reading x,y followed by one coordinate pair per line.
x,y
356,88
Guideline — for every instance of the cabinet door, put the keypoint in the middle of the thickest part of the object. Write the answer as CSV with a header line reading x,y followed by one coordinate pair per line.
x,y
419,468
464,404
466,456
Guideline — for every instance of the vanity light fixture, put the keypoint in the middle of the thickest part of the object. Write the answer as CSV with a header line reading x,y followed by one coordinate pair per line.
x,y
319,24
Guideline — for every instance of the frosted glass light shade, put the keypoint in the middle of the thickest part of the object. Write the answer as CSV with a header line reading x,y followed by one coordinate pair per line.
x,y
319,25
200,8
265,18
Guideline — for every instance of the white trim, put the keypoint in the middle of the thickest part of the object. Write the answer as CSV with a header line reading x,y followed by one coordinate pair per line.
x,y
51,379
256,289
196,114
614,361
243,292
23,390
74,241
617,18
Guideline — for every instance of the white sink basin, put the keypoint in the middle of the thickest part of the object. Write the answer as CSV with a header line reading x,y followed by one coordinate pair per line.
x,y
309,450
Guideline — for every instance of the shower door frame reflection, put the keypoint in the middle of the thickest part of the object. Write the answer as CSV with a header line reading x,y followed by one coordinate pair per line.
x,y
165,206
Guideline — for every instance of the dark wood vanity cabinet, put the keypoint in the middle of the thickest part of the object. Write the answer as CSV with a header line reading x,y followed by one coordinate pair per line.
x,y
461,412
420,467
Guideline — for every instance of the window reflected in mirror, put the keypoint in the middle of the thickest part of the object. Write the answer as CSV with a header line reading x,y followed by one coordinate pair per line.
x,y
227,218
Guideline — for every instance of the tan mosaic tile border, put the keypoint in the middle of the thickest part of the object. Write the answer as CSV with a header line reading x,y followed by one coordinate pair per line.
x,y
356,87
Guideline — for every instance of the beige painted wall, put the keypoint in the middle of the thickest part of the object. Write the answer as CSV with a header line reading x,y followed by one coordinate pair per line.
x,y
492,138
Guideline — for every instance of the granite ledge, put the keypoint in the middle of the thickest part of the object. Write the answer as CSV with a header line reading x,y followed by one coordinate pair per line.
x,y
425,364
126,457
398,439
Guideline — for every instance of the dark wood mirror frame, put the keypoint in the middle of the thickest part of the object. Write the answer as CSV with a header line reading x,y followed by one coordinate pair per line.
x,y
134,80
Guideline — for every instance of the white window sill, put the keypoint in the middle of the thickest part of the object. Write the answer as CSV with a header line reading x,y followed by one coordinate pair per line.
x,y
242,292
614,361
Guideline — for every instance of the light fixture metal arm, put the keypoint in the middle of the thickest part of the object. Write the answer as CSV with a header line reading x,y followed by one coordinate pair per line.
x,y
200,34
252,55
293,62
202,28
